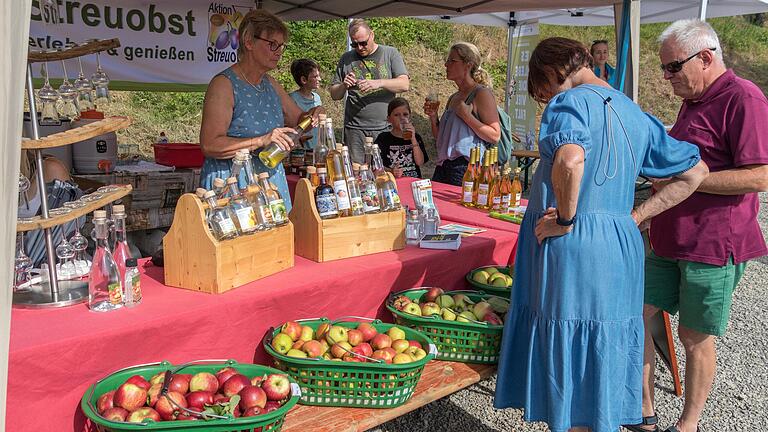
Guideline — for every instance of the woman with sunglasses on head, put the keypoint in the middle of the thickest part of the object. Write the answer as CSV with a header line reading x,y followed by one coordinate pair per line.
x,y
245,108
572,348
470,118
599,51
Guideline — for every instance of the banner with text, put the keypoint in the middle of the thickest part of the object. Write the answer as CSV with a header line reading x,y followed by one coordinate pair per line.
x,y
165,45
523,108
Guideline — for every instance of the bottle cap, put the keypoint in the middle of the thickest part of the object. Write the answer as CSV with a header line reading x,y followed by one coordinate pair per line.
x,y
364,166
355,166
209,194
369,140
219,183
311,169
329,121
322,170
322,116
100,214
200,192
263,175
131,262
339,146
231,180
118,209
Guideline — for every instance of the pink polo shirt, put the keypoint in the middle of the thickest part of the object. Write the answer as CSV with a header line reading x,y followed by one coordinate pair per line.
x,y
729,124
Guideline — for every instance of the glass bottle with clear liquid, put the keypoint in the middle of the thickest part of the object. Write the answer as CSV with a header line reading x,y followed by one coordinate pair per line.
x,y
321,149
121,252
219,219
105,291
368,191
276,203
273,154
368,150
256,197
132,283
413,231
219,188
388,197
355,200
245,217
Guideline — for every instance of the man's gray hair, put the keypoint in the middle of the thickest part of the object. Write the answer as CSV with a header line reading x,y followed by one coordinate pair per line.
x,y
693,35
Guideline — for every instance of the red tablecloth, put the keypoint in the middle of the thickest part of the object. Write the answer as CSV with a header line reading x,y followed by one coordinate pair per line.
x,y
56,354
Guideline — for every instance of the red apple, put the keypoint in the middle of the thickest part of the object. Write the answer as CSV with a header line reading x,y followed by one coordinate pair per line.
x,y
220,398
252,412
251,396
492,318
340,349
322,330
142,414
432,294
313,348
359,353
130,396
180,383
153,394
366,349
115,414
353,358
299,344
204,381
292,329
277,387
391,351
105,401
382,355
355,337
271,406
234,384
139,381
225,373
400,301
257,380
168,404
400,345
199,399
187,416
414,343
381,341
368,331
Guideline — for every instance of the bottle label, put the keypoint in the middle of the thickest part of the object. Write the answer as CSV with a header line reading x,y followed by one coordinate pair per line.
x,y
136,283
518,196
115,293
482,194
227,226
247,218
326,204
342,194
266,214
467,197
391,199
496,203
278,211
370,198
506,200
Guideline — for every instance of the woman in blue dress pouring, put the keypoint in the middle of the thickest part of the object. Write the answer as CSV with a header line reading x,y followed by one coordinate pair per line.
x,y
245,108
572,353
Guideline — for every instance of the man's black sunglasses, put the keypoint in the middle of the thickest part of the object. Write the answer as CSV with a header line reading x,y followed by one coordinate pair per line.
x,y
364,43
676,66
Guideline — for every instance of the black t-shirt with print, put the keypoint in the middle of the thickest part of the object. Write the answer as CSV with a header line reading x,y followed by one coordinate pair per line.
x,y
398,151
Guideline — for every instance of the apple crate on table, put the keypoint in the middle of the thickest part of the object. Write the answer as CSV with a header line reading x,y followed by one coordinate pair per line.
x,y
450,320
356,377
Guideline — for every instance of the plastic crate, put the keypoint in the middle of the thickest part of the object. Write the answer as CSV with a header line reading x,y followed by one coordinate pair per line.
x,y
490,289
179,155
351,384
465,342
269,422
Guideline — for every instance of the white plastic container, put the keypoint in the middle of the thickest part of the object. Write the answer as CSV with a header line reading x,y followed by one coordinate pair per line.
x,y
97,155
63,153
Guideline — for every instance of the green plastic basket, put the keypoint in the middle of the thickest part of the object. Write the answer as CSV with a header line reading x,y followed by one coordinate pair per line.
x,y
352,384
269,422
490,289
465,342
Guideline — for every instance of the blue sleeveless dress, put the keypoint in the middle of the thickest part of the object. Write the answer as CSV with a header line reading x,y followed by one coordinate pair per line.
x,y
572,349
257,111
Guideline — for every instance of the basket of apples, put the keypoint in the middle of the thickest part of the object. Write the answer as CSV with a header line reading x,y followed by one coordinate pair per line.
x,y
202,396
465,326
492,279
347,363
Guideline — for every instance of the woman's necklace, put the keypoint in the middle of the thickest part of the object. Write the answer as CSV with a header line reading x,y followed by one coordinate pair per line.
x,y
259,89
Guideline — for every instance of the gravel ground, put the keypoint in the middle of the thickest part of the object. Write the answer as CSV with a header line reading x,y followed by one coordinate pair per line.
x,y
738,402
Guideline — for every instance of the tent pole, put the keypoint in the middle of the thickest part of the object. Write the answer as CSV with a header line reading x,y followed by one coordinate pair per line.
x,y
511,24
703,10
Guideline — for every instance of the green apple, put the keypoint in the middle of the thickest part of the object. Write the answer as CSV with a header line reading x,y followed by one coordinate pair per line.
x,y
462,302
480,276
509,280
498,304
491,270
445,301
416,353
307,334
282,343
481,308
402,358
336,334
412,308
396,333
448,314
466,316
296,353
400,345
499,282
430,308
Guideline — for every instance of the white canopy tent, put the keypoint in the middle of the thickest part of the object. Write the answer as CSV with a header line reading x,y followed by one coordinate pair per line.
x,y
484,12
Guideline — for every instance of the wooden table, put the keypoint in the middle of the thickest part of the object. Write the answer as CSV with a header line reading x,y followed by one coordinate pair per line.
x,y
439,379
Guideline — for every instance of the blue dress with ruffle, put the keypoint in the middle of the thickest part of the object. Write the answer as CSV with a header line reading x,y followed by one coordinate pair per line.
x,y
256,112
572,350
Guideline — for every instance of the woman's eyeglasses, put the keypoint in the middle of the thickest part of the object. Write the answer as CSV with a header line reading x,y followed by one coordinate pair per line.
x,y
676,66
273,45
363,44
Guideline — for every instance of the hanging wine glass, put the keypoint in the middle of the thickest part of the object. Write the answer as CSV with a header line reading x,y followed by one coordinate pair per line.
x,y
65,252
84,88
23,188
23,263
80,244
100,81
67,97
48,97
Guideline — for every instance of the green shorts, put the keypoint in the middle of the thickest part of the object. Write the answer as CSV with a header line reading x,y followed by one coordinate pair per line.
x,y
701,292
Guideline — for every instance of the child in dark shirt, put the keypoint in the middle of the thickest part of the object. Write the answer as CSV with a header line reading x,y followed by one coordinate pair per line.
x,y
402,156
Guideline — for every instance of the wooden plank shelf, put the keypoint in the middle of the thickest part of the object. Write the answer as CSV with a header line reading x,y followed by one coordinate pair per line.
x,y
86,48
526,153
75,212
71,136
439,379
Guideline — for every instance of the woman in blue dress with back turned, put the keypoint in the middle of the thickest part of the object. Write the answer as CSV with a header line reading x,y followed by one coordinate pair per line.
x,y
245,108
572,351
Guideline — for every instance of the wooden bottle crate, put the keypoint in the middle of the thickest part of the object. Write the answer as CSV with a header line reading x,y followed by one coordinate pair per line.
x,y
330,239
195,260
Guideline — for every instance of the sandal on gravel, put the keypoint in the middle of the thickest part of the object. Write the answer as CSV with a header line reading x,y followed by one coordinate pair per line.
x,y
675,429
647,421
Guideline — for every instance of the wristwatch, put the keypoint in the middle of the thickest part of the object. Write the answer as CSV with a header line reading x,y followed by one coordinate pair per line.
x,y
562,222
